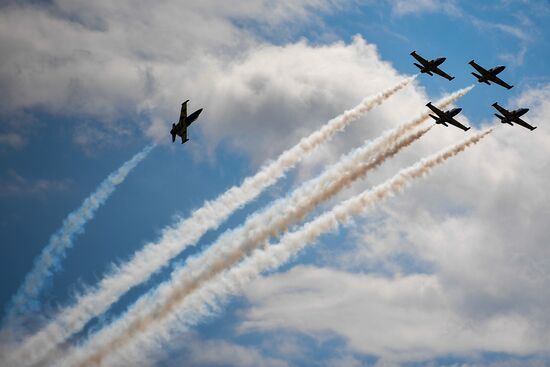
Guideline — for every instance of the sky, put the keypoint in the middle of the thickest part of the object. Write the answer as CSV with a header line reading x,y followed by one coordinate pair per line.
x,y
451,272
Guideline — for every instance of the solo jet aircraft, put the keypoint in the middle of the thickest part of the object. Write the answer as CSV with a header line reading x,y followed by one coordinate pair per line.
x,y
446,117
489,75
431,67
185,121
510,117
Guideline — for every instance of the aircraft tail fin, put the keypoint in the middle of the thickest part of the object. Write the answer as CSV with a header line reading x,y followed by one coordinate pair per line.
x,y
419,66
434,117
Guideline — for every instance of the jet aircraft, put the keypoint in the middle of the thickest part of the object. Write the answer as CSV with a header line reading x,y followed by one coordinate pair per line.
x,y
185,121
490,75
431,67
446,117
511,117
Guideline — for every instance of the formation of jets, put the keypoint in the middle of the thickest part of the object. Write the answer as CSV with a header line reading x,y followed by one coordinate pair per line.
x,y
426,66
483,75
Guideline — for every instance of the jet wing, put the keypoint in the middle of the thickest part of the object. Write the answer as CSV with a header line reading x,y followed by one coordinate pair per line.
x,y
183,113
440,72
495,79
437,111
452,121
192,117
501,109
481,70
183,134
420,59
524,124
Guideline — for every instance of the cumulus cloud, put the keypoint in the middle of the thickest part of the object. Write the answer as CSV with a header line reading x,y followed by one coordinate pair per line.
x,y
404,7
127,64
12,139
13,184
223,353
458,265
404,318
129,67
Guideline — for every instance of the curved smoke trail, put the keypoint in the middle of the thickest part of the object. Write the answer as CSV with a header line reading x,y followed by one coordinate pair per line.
x,y
233,245
26,298
177,237
230,239
230,281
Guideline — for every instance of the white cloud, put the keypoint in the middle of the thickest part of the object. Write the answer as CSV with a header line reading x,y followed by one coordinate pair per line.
x,y
476,228
401,319
191,350
405,7
127,63
13,184
222,353
13,140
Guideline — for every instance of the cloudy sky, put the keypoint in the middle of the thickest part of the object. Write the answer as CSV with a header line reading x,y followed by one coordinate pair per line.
x,y
452,272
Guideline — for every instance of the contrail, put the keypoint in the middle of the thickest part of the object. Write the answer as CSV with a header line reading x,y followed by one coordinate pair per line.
x,y
256,227
26,298
233,245
162,321
176,238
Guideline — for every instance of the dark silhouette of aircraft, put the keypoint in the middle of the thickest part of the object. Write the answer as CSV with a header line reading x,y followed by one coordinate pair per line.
x,y
511,117
446,117
490,75
431,67
185,121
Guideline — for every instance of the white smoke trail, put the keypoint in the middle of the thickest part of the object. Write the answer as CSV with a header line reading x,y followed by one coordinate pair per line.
x,y
176,238
232,246
285,212
26,298
230,281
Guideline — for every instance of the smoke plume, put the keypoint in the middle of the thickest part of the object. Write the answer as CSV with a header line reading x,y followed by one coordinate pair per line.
x,y
232,246
231,280
49,261
177,237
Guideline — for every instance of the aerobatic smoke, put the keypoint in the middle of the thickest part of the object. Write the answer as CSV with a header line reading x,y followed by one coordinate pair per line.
x,y
177,237
229,281
233,245
252,233
26,298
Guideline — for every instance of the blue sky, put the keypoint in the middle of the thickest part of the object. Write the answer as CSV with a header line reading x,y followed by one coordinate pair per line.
x,y
62,131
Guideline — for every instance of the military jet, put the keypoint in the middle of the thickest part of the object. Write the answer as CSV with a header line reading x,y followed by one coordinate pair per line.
x,y
431,66
511,117
446,117
185,121
490,75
